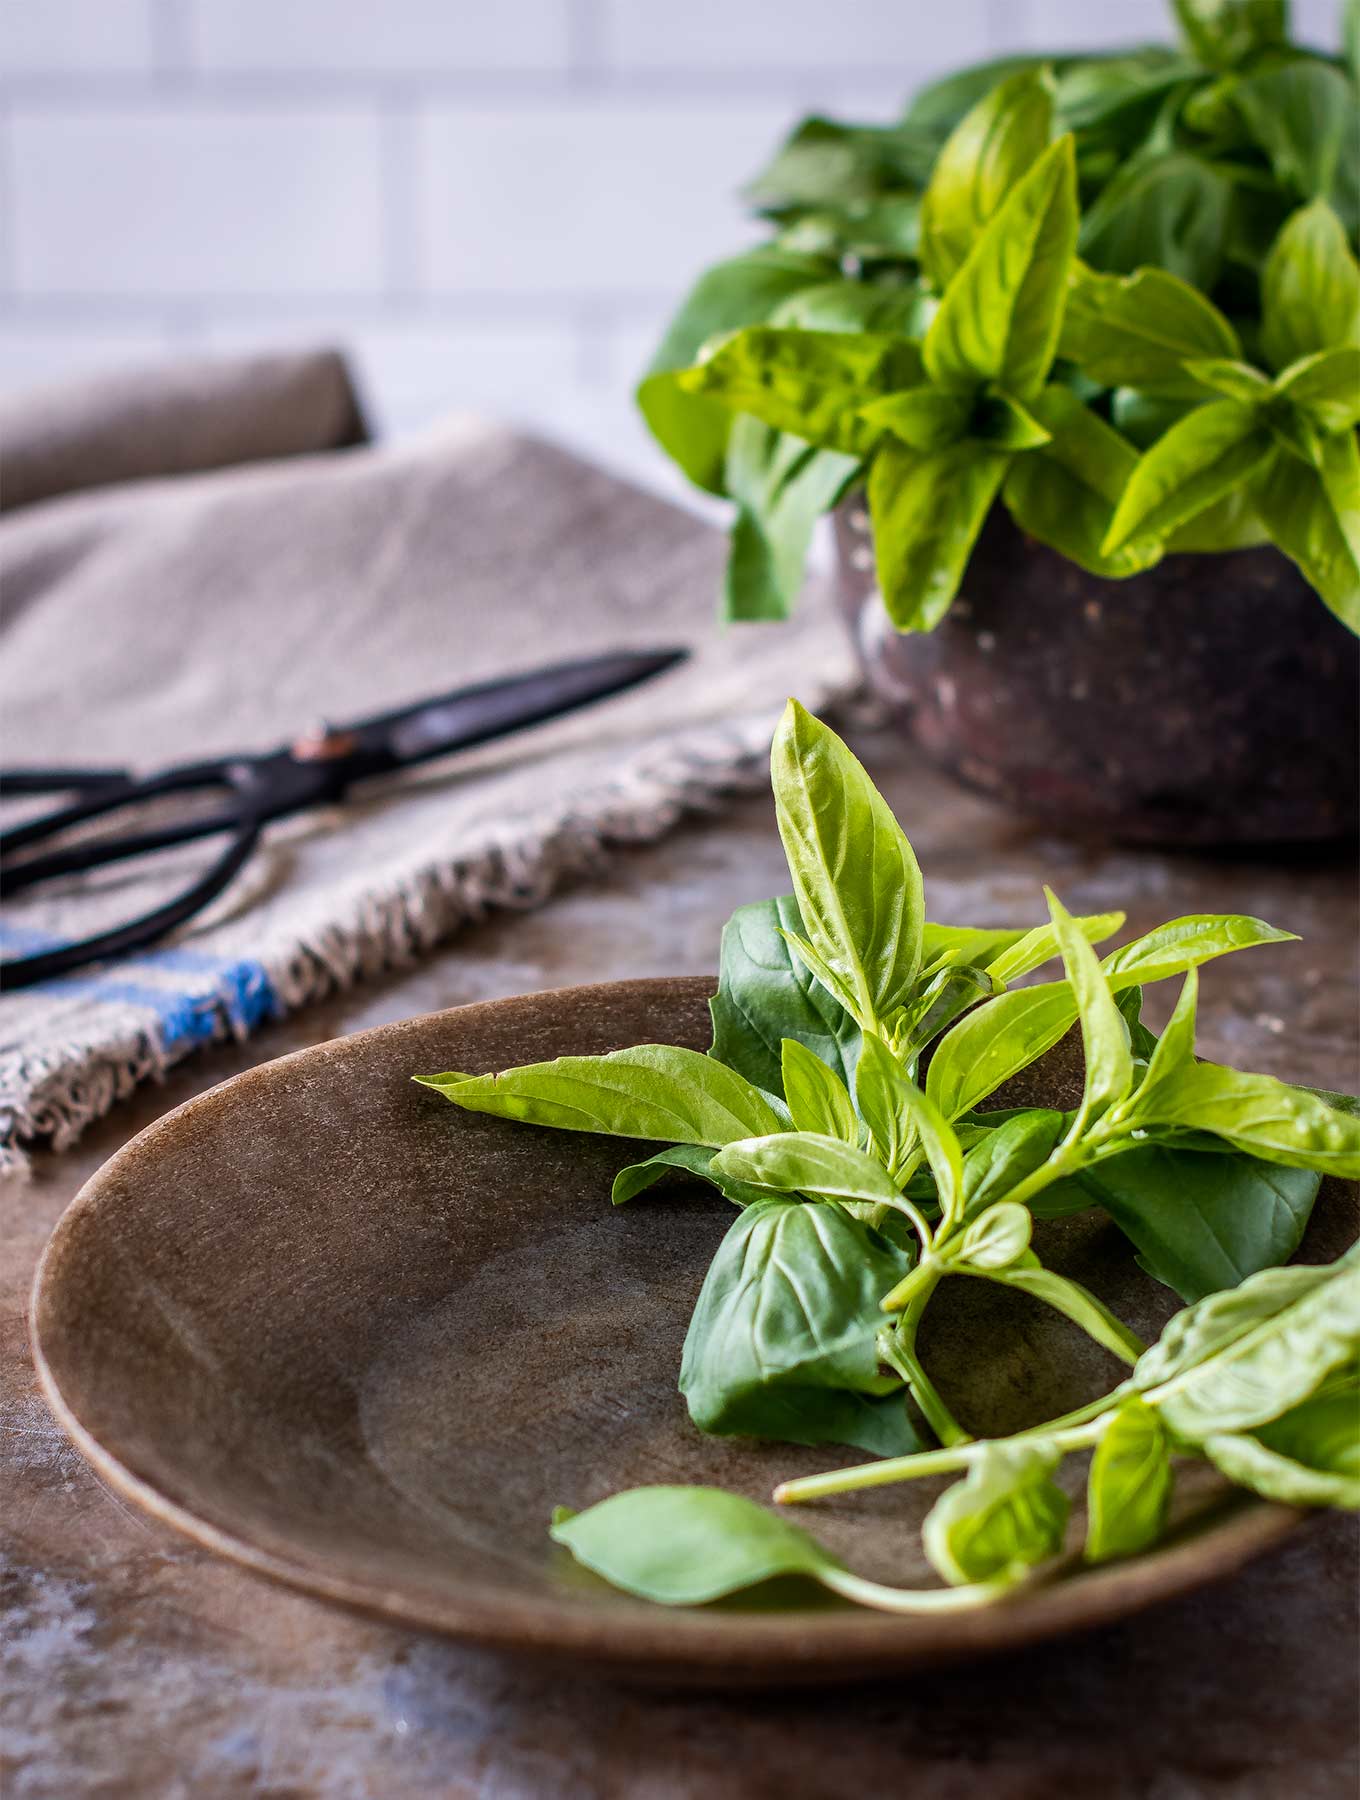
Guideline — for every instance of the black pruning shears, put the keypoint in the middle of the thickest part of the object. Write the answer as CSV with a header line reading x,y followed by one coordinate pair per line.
x,y
317,769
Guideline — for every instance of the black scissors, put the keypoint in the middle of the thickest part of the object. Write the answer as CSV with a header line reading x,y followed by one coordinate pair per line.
x,y
316,770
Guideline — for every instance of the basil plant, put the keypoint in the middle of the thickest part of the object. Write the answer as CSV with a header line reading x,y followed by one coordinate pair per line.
x,y
848,1109
1118,295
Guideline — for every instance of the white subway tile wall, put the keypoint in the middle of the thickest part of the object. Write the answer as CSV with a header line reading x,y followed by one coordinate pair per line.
x,y
492,206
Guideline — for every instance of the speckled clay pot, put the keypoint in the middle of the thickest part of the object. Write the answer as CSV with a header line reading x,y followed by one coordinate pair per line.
x,y
1212,700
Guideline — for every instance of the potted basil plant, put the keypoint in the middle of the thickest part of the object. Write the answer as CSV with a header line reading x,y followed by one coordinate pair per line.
x,y
1072,353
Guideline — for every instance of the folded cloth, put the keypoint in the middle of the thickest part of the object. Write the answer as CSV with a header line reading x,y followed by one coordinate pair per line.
x,y
170,618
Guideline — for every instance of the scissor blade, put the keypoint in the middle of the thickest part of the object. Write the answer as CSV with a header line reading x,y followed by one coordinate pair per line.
x,y
473,715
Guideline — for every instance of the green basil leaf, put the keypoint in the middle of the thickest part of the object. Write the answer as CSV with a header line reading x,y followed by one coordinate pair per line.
x,y
986,155
1310,288
1001,421
826,163
765,994
1138,331
855,876
809,383
1163,209
890,1102
879,1098
1238,380
1302,114
1143,418
1259,1115
691,430
1129,1485
940,105
1325,386
1212,451
1224,33
926,418
684,1546
1007,1155
688,1159
1069,1298
652,1091
804,1162
1002,1519
995,1041
843,305
1032,949
928,509
1142,1042
1308,1457
1187,942
1113,95
1104,1036
996,1239
782,486
1316,522
1238,1360
818,1099
782,1343
949,946
937,1004
1232,523
1002,312
1175,1049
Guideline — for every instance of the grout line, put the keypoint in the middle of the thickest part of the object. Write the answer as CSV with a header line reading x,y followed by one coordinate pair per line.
x,y
172,59
9,223
401,173
587,50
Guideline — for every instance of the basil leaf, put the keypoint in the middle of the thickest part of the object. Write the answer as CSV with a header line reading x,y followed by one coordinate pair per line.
x,y
941,104
1238,380
1316,522
804,1162
1175,1049
928,509
1104,1036
1201,1222
1187,942
1007,1155
818,1099
1212,451
1065,494
883,1087
1071,1299
782,486
855,876
1139,331
691,430
1308,1457
998,1238
1129,1485
948,946
825,163
689,1159
1310,288
1258,1114
765,994
1031,949
1142,1042
810,383
995,1041
1005,1516
782,1343
879,1098
1113,95
1325,386
937,1004
1302,115
1002,312
653,1091
987,153
1234,1368
1164,209
1224,33
1001,421
926,418
903,311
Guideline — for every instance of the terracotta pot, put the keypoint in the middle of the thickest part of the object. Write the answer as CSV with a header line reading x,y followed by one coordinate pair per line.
x,y
1212,700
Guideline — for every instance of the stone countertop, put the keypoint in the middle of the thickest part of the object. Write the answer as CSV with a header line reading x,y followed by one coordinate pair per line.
x,y
134,1663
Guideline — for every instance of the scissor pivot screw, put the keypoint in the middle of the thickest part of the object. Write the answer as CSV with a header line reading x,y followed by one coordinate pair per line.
x,y
321,742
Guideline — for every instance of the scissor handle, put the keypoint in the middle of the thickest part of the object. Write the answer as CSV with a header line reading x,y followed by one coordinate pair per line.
x,y
59,781
105,793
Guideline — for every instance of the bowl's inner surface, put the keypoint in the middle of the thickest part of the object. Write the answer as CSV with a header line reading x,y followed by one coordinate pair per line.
x,y
377,1339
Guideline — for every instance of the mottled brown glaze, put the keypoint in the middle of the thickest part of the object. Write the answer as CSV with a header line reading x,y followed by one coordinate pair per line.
x,y
332,1327
1211,700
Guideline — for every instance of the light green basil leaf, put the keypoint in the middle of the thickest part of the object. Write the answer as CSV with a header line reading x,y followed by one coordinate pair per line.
x,y
1175,1049
1164,209
1007,1155
652,1091
926,418
826,163
782,486
928,509
1002,312
1104,1036
766,994
1325,386
1257,1114
996,1239
988,152
1185,943
948,946
1212,451
1309,1457
1071,1299
1302,114
818,1099
879,1098
1224,33
1143,418
1350,36
1232,523
1139,331
1129,1486
687,1159
937,1003
1316,522
903,310
805,1162
1141,1041
940,105
783,1340
1310,288
1039,946
995,1041
1002,1519
1232,1367
1238,380
692,430
1001,421
855,876
884,1091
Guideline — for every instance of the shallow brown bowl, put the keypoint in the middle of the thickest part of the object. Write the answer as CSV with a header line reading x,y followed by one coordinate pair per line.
x,y
362,1342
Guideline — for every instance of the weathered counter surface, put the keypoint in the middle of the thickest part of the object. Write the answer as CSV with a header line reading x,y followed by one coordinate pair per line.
x,y
132,1663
